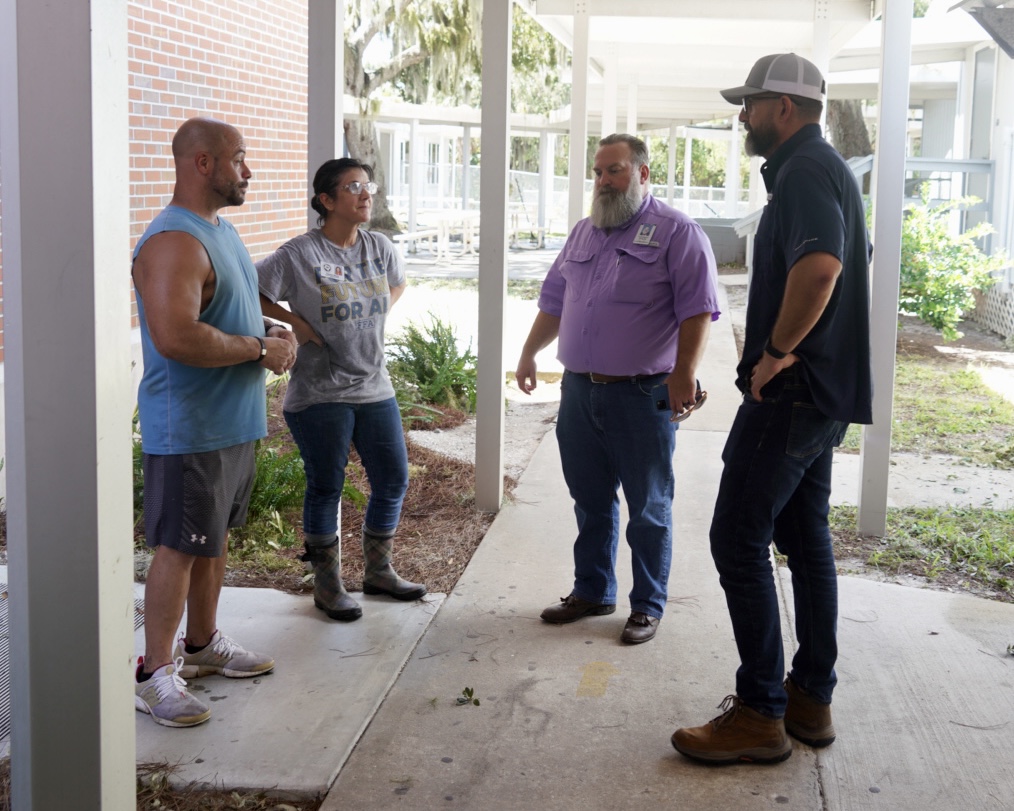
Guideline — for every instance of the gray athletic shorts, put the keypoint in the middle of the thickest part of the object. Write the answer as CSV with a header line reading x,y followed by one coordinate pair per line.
x,y
192,499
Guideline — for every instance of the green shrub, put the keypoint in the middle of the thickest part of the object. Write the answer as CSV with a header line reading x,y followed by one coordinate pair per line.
x,y
278,488
410,405
941,271
426,366
279,482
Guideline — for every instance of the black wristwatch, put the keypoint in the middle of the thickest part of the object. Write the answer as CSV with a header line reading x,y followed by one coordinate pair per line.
x,y
777,354
264,349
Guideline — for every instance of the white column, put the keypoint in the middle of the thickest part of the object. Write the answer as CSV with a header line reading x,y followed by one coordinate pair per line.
x,y
688,141
466,166
494,176
325,137
670,175
578,114
414,174
632,107
546,142
64,131
732,180
963,118
610,91
821,56
441,153
888,196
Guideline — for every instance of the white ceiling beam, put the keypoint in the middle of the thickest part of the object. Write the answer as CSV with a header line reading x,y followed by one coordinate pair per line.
x,y
738,10
920,56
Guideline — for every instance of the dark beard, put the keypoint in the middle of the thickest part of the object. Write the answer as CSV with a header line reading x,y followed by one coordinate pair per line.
x,y
610,209
760,142
234,194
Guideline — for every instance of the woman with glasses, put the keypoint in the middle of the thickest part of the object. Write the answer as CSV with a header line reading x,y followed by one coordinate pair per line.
x,y
340,282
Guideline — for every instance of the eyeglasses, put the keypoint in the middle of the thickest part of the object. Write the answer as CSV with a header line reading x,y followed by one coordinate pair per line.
x,y
356,187
750,101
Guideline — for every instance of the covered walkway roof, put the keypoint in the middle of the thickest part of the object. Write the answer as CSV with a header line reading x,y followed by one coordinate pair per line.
x,y
673,56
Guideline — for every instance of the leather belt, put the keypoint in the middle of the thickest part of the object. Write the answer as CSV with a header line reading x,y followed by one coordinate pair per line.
x,y
595,377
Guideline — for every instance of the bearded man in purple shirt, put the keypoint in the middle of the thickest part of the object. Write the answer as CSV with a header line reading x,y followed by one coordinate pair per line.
x,y
631,298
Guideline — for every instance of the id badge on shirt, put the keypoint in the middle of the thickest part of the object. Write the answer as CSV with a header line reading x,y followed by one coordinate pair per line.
x,y
645,232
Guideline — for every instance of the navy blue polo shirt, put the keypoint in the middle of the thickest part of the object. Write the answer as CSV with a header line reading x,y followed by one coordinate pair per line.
x,y
814,204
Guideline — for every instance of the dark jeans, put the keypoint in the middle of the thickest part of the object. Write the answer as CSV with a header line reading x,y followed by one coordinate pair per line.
x,y
325,433
610,435
776,486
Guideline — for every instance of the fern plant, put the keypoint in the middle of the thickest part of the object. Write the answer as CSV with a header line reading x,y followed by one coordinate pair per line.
x,y
426,364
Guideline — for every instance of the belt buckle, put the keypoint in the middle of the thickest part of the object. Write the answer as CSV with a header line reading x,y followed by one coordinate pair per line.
x,y
591,377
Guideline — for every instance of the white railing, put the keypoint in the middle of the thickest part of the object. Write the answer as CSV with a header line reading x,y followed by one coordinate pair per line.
x,y
700,202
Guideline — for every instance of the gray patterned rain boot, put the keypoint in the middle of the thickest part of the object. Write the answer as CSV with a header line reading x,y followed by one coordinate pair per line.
x,y
380,577
329,593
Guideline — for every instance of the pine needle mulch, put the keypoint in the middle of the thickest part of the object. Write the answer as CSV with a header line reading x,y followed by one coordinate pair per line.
x,y
440,525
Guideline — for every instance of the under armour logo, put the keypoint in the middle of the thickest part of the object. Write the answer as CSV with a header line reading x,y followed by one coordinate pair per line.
x,y
195,539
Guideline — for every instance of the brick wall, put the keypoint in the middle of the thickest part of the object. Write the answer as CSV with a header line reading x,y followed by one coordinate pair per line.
x,y
242,61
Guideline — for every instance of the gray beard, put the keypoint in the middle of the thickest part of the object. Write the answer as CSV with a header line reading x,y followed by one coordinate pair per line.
x,y
611,209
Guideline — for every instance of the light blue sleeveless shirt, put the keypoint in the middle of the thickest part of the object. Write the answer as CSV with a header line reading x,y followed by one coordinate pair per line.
x,y
187,409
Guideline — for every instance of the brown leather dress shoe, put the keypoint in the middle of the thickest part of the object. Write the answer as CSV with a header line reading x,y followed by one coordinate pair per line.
x,y
806,719
639,628
739,735
573,608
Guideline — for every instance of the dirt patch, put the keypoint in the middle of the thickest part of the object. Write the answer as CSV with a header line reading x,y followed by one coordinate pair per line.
x,y
879,560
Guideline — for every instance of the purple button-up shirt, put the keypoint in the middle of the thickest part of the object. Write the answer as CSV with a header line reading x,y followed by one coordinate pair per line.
x,y
621,295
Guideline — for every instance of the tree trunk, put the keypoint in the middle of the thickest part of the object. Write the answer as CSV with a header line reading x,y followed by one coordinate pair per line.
x,y
361,138
848,131
847,128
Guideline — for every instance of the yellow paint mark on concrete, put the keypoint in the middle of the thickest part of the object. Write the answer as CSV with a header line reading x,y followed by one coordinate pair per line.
x,y
595,679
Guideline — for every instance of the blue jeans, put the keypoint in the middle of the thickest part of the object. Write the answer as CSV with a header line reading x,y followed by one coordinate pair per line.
x,y
610,435
776,486
324,434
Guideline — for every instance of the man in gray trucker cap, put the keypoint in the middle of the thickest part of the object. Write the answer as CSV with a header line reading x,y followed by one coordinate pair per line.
x,y
805,375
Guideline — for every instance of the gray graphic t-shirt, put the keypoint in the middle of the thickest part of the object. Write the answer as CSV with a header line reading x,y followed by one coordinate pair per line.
x,y
344,294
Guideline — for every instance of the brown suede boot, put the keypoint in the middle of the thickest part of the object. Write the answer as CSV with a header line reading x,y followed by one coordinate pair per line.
x,y
738,735
329,593
806,719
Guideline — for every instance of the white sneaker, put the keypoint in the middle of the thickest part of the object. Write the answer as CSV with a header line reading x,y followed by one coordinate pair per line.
x,y
164,696
221,655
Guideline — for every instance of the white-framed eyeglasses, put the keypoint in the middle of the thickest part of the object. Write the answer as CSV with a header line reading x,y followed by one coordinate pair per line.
x,y
356,187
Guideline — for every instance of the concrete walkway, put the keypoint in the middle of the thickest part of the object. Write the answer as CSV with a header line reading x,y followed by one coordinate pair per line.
x,y
570,718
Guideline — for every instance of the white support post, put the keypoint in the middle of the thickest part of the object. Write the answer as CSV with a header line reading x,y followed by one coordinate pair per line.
x,y
688,142
414,175
612,67
466,167
64,126
441,153
325,86
732,179
325,137
494,176
578,114
546,141
821,56
888,197
632,107
670,175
